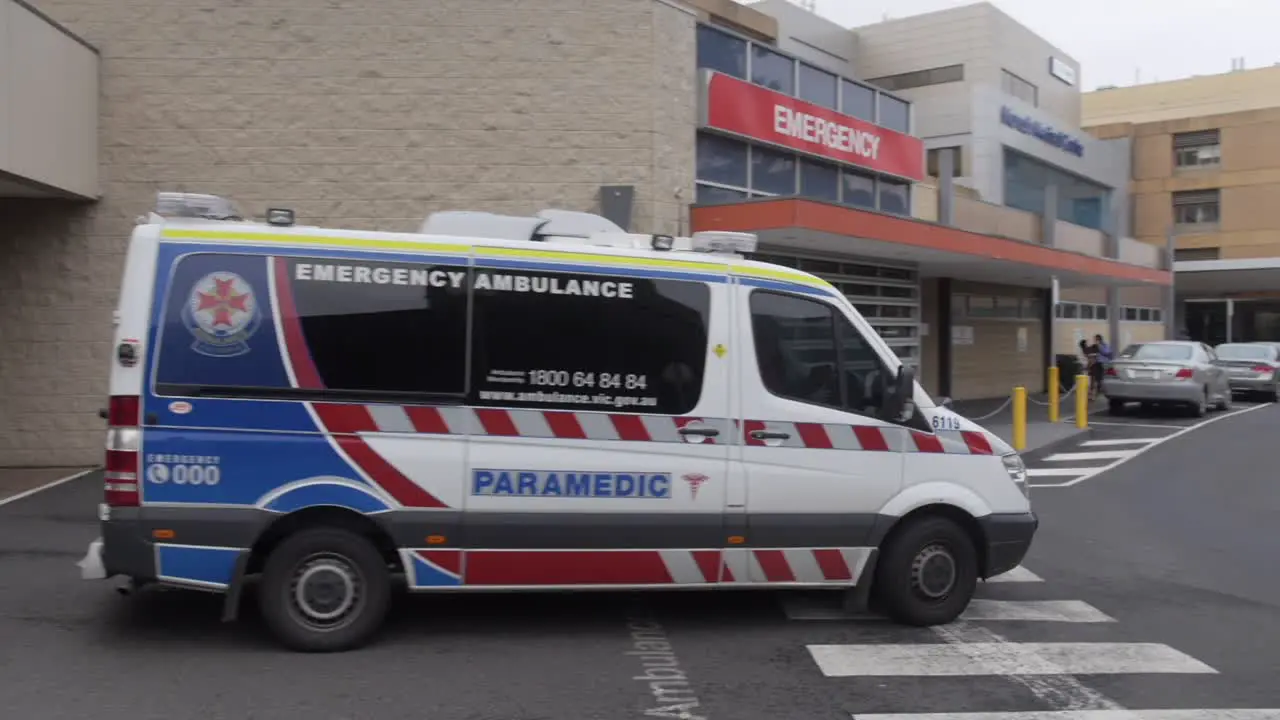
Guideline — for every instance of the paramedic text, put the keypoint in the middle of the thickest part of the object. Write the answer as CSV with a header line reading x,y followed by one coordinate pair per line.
x,y
421,277
541,483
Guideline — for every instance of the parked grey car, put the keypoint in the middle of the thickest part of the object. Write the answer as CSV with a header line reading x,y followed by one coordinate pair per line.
x,y
1252,367
1178,372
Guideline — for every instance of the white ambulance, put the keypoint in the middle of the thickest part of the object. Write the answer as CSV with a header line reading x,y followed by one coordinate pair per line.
x,y
522,403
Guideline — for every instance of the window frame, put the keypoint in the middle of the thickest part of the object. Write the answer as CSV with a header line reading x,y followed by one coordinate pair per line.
x,y
841,381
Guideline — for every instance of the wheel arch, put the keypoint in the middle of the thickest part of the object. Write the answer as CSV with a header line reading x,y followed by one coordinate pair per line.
x,y
314,516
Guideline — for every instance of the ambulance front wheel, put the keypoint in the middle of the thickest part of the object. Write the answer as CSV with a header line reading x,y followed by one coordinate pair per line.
x,y
325,590
927,572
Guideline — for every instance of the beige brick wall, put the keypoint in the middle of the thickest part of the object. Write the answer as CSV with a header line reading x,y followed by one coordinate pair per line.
x,y
992,366
363,115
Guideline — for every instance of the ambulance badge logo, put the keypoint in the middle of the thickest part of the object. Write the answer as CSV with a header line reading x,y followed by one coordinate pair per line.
x,y
222,314
695,481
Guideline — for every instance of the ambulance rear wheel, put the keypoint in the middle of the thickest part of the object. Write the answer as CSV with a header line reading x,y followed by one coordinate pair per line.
x,y
927,572
325,590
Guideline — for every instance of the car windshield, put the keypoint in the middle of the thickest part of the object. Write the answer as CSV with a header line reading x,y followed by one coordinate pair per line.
x,y
1129,351
1163,352
1244,352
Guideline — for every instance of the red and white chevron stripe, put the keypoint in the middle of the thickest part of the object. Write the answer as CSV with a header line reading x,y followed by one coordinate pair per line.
x,y
739,566
565,425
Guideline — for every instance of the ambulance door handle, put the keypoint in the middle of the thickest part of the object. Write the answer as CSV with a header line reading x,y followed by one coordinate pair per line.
x,y
769,435
699,431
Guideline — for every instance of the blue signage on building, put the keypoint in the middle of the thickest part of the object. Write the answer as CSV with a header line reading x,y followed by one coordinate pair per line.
x,y
1042,132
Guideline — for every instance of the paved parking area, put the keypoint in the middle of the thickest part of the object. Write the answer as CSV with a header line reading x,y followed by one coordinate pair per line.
x,y
1141,592
18,481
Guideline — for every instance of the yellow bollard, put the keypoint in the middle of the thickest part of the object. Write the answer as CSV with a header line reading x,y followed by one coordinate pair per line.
x,y
1082,401
1054,400
1019,418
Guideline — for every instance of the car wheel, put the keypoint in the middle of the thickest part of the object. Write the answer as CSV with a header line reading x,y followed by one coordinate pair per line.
x,y
1274,395
1225,403
927,572
1115,407
325,590
1201,406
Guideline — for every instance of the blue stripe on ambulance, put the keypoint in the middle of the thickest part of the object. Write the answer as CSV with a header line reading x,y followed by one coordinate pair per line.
x,y
209,566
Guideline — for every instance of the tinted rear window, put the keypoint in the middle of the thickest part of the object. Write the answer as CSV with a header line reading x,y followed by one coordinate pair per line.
x,y
1245,352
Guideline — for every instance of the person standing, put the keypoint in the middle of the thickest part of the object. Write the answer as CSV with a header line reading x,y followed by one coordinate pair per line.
x,y
1102,356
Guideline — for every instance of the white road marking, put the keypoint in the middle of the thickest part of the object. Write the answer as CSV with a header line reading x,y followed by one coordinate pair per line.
x,y
1018,574
1003,658
1125,441
1095,455
1057,692
1155,444
46,486
1206,714
1160,426
1073,611
1057,472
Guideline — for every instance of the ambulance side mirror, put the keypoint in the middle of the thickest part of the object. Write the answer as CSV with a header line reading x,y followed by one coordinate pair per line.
x,y
899,403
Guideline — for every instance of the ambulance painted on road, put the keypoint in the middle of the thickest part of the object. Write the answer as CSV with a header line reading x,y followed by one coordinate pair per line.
x,y
521,403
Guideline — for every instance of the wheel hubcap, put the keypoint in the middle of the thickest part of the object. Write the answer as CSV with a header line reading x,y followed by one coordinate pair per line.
x,y
933,573
326,591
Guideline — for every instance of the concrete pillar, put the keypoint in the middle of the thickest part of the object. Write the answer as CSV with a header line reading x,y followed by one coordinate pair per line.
x,y
1113,318
946,185
1170,292
1049,220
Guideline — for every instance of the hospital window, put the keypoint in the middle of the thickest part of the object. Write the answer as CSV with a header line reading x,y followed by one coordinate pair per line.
x,y
1014,86
602,343
858,101
920,78
817,86
1196,207
1197,149
894,197
1209,253
807,352
895,114
1143,314
722,52
772,70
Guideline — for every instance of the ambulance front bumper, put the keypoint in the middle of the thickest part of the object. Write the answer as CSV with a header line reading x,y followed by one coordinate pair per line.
x,y
1008,538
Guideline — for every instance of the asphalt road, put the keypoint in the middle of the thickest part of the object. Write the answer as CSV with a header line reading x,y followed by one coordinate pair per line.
x,y
1163,564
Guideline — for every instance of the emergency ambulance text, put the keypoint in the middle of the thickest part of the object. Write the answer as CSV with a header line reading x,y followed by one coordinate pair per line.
x,y
483,280
830,134
541,483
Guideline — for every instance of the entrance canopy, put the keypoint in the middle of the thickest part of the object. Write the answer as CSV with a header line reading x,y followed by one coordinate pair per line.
x,y
1218,278
939,251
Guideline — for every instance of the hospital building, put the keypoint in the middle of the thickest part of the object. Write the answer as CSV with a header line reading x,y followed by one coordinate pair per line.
x,y
935,168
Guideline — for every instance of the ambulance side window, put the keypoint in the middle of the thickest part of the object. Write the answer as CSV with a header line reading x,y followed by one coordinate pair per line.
x,y
806,351
574,341
383,327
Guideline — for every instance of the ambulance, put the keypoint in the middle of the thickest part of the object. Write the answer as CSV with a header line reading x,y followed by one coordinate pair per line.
x,y
502,403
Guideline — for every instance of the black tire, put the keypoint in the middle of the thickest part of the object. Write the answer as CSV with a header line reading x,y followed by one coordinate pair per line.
x,y
899,590
1199,408
1115,407
330,555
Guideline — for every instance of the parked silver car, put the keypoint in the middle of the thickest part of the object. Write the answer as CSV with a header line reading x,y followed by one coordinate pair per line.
x,y
1252,367
1178,372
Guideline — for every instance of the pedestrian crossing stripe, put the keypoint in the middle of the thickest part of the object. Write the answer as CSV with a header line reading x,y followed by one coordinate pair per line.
x,y
1069,611
1018,574
1243,714
1002,658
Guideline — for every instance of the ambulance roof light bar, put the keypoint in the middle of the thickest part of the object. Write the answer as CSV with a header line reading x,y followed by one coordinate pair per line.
x,y
195,206
722,241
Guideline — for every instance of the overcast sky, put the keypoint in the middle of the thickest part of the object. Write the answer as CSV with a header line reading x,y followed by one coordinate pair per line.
x,y
1114,39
